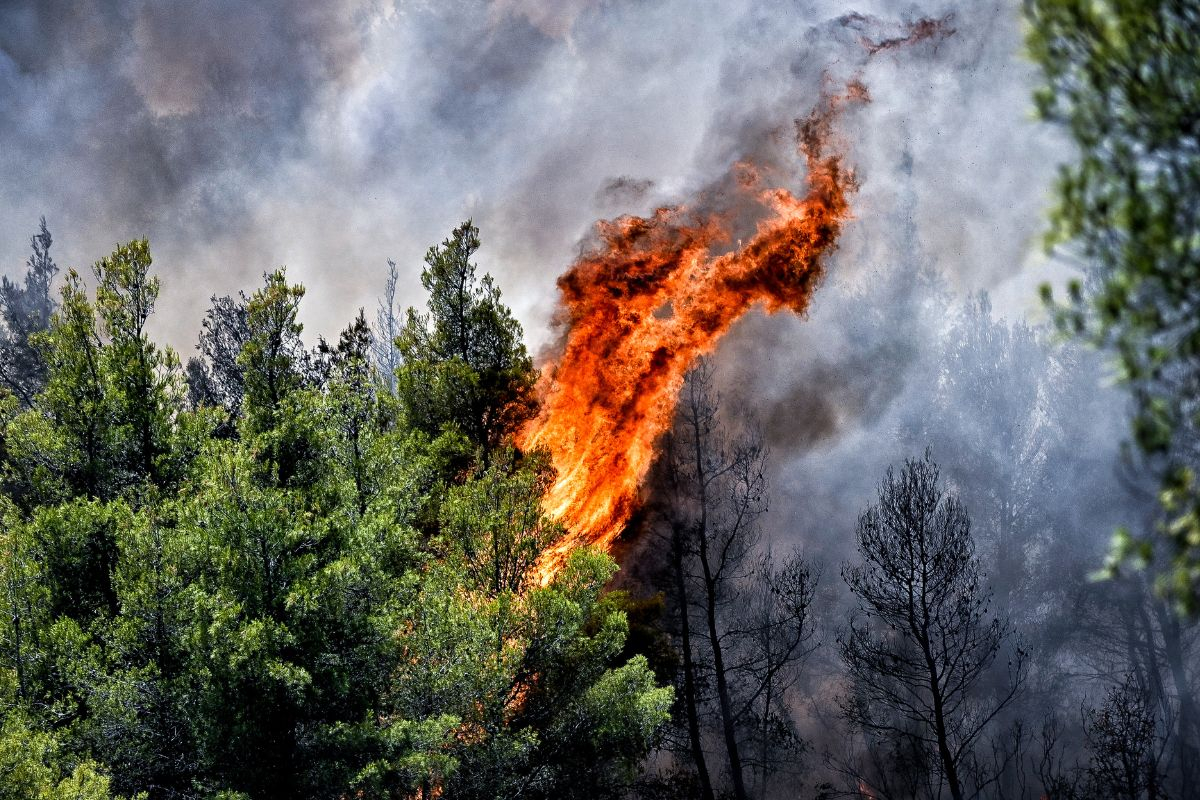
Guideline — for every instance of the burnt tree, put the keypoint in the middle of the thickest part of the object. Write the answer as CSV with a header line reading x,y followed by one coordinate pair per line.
x,y
922,645
743,621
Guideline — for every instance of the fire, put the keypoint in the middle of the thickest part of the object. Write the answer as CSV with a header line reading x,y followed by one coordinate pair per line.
x,y
652,296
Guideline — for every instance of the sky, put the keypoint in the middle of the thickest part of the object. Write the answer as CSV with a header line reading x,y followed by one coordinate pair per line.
x,y
332,136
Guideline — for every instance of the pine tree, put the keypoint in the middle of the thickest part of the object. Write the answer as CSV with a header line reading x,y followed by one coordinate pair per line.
x,y
464,364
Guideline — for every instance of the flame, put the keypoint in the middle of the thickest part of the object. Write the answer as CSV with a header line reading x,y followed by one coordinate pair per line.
x,y
864,789
641,306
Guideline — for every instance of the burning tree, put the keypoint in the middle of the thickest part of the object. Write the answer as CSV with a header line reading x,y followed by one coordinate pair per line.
x,y
655,293
918,658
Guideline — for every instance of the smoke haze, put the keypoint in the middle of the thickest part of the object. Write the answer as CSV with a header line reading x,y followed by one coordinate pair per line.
x,y
239,137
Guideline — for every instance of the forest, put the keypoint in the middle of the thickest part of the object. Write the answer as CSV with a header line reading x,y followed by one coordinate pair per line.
x,y
284,566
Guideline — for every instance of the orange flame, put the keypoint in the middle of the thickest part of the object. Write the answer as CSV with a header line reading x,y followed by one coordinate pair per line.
x,y
640,307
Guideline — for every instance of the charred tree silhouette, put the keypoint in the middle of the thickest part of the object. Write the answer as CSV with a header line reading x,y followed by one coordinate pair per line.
x,y
917,656
1124,745
743,615
25,311
1124,631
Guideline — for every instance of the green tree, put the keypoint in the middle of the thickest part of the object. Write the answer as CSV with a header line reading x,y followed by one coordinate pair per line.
x,y
308,598
464,364
353,403
24,611
494,525
76,398
143,379
274,364
1123,77
521,695
32,767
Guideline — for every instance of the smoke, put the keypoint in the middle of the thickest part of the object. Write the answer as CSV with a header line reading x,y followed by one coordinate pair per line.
x,y
330,137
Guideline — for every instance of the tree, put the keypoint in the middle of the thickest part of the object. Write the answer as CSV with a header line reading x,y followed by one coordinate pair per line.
x,y
1122,628
525,691
495,525
464,364
387,330
76,397
272,357
216,378
31,762
142,378
351,394
1121,76
923,646
1124,747
25,609
744,624
306,598
994,416
25,312
275,367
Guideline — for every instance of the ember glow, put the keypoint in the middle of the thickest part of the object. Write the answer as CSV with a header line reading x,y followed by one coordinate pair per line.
x,y
652,296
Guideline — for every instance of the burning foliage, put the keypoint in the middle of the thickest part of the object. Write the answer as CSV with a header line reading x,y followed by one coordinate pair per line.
x,y
910,33
652,295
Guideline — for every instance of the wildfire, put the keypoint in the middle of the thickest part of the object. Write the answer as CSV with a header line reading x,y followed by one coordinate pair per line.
x,y
651,297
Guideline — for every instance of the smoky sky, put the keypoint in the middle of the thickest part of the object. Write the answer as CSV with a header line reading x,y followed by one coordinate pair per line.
x,y
329,137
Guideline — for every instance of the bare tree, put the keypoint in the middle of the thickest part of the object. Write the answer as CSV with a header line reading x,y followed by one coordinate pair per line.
x,y
1123,631
1125,748
918,654
387,328
744,621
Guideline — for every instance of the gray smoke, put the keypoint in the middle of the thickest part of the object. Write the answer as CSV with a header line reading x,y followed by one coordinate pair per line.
x,y
331,136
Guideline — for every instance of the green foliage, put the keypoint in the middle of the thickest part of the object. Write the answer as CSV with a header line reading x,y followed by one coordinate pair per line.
x,y
143,385
464,364
308,598
531,682
76,398
1123,77
274,365
32,769
273,355
493,523
103,424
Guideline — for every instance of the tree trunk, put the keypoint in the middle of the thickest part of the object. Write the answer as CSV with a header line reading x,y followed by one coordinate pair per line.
x,y
689,675
1185,724
728,727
